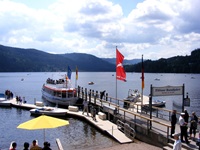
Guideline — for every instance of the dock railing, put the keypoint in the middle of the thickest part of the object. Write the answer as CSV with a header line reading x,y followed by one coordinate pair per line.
x,y
127,116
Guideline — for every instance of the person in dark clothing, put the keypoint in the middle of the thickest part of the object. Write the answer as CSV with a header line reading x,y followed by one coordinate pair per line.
x,y
26,146
102,94
193,125
173,122
46,146
186,117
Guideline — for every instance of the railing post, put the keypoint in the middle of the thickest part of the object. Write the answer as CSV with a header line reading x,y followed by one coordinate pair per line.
x,y
106,96
157,113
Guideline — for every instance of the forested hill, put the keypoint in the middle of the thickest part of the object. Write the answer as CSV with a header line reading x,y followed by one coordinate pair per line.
x,y
32,60
177,64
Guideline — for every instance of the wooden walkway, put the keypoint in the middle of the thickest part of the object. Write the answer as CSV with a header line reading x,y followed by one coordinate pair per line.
x,y
103,125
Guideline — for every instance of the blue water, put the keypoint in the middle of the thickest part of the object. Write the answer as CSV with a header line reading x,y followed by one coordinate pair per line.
x,y
80,135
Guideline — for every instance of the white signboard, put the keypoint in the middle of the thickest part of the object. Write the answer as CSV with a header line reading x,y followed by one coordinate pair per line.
x,y
167,90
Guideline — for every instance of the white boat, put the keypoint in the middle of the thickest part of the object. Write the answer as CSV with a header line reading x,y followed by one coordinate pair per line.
x,y
4,101
157,103
49,111
2,97
133,96
59,92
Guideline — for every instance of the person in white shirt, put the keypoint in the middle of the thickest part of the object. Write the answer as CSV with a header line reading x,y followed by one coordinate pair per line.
x,y
183,127
177,144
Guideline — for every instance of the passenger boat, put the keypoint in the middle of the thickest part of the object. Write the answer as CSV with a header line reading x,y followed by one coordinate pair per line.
x,y
59,92
49,111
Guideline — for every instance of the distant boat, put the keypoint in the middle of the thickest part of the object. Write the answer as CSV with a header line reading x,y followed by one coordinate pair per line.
x,y
157,79
192,77
22,79
59,92
91,83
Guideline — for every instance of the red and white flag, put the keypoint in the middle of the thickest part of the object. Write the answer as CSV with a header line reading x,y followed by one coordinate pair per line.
x,y
120,72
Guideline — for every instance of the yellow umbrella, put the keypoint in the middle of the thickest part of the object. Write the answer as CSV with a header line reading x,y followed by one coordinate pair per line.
x,y
43,122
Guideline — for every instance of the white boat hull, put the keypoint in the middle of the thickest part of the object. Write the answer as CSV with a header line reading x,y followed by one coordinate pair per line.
x,y
49,111
59,100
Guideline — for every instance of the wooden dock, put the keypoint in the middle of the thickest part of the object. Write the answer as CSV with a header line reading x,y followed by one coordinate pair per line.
x,y
103,125
153,130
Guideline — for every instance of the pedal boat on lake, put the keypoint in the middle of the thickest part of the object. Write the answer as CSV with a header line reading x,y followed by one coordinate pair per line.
x,y
59,92
49,111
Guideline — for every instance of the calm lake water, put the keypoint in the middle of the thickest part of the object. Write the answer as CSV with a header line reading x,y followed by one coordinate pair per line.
x,y
80,135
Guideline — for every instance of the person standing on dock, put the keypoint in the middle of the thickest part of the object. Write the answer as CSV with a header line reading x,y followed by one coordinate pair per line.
x,y
186,117
173,122
177,144
183,127
85,106
193,125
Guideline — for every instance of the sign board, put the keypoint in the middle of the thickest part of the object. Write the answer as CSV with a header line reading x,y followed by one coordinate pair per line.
x,y
167,90
187,102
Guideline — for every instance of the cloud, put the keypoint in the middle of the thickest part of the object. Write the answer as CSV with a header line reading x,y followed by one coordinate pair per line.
x,y
154,28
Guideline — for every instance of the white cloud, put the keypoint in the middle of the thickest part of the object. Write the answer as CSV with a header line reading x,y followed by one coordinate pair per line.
x,y
155,28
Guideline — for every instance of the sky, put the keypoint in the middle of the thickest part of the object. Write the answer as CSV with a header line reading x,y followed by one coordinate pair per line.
x,y
152,28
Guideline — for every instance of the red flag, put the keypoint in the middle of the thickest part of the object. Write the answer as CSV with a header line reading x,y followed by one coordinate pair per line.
x,y
120,72
142,73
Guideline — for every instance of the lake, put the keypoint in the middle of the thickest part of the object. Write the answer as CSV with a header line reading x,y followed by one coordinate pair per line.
x,y
78,134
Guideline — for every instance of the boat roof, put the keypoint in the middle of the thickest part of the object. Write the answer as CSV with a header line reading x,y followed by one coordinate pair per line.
x,y
57,87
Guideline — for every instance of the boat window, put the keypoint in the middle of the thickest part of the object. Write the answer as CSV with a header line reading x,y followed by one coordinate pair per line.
x,y
63,94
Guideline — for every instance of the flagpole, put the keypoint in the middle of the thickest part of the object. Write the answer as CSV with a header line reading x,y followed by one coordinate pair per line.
x,y
142,82
116,76
76,77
